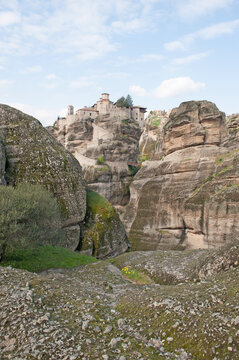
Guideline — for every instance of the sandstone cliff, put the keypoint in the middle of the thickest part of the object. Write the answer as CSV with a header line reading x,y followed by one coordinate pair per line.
x,y
104,147
28,153
189,198
150,140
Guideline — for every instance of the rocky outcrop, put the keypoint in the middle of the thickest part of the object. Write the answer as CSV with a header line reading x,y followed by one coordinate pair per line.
x,y
193,123
28,153
2,163
92,312
232,123
150,140
103,233
104,146
188,198
34,156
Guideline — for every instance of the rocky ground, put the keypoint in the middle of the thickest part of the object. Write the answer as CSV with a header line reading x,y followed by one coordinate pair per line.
x,y
93,312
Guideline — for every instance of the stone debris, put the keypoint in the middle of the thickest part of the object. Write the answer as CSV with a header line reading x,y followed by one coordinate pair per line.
x,y
74,316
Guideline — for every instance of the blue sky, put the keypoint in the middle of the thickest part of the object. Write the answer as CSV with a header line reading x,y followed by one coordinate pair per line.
x,y
59,52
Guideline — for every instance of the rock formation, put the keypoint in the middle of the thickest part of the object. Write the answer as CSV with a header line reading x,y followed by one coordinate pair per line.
x,y
150,140
105,143
189,198
102,234
28,153
2,163
92,312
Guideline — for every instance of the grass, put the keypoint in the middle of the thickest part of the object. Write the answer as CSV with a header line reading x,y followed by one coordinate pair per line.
x,y
135,276
45,257
156,121
98,204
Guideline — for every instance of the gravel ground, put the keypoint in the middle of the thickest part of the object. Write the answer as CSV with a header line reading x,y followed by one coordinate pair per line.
x,y
92,312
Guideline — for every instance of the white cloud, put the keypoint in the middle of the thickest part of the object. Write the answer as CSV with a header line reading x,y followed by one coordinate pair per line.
x,y
149,57
79,27
189,59
177,86
216,30
51,77
8,18
192,8
206,33
33,69
174,45
5,82
137,90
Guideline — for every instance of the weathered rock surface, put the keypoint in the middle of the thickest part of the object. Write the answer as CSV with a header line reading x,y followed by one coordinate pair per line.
x,y
150,140
2,163
108,141
232,123
189,198
92,312
28,153
102,233
34,156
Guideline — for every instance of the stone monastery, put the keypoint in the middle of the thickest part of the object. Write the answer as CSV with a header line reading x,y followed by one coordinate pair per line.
x,y
105,108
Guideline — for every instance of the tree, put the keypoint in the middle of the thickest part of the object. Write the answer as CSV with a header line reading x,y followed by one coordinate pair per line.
x,y
124,102
129,100
29,216
121,102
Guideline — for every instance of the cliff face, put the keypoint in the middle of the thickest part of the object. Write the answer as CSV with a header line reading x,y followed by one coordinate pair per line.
x,y
150,140
104,147
188,198
28,153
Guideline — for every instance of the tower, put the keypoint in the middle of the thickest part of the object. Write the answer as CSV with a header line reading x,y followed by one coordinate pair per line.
x,y
70,110
105,96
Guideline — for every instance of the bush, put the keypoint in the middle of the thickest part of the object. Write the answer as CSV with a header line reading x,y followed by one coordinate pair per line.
x,y
100,160
29,216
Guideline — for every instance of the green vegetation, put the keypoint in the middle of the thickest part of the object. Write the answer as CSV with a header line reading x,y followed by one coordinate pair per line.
x,y
100,216
103,169
133,170
29,216
156,120
98,204
124,102
185,160
100,160
45,257
211,177
135,276
142,158
124,121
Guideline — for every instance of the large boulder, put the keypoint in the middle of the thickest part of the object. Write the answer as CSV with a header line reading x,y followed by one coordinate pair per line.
x,y
29,153
193,123
189,198
103,234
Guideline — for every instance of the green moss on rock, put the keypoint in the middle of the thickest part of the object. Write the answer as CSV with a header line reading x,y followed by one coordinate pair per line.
x,y
103,233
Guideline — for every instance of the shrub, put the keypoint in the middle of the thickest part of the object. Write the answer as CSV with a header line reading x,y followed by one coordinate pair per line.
x,y
100,160
29,216
133,170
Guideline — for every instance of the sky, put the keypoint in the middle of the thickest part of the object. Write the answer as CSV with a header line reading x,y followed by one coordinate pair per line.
x,y
162,52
